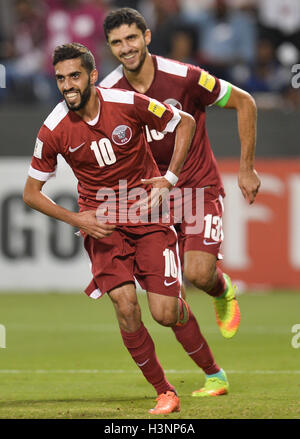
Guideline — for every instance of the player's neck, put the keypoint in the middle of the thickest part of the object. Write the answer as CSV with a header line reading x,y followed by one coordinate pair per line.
x,y
142,79
91,109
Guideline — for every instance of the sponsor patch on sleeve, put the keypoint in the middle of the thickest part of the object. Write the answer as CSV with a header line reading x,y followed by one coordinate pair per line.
x,y
38,148
156,108
207,81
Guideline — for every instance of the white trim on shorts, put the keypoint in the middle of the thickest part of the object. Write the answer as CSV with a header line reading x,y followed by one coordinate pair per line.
x,y
179,276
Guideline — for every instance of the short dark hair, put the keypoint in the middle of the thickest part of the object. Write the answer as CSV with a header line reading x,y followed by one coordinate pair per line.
x,y
123,16
74,50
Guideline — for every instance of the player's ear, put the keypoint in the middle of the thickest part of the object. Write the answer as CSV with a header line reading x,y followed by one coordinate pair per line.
x,y
93,76
147,36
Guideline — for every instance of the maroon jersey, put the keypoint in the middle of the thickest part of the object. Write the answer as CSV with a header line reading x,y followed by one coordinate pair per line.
x,y
190,89
103,152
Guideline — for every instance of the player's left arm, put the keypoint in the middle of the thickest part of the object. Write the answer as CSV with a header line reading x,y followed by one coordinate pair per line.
x,y
185,130
244,104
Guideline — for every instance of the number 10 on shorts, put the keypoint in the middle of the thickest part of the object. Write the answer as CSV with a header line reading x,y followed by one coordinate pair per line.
x,y
170,263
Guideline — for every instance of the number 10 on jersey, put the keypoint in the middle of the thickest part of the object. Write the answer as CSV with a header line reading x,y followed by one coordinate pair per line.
x,y
104,152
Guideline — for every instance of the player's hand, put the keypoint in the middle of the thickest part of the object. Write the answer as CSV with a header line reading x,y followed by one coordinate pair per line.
x,y
87,222
157,182
160,188
249,183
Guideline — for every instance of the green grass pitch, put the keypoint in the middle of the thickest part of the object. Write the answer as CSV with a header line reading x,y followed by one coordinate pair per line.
x,y
64,359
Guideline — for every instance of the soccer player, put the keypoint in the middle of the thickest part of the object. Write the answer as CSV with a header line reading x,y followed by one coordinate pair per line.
x,y
191,89
99,133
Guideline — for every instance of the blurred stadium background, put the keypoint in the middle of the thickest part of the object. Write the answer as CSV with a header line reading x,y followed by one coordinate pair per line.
x,y
255,44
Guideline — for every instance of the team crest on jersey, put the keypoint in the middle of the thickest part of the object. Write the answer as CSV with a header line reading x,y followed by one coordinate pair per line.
x,y
156,108
173,102
207,81
121,134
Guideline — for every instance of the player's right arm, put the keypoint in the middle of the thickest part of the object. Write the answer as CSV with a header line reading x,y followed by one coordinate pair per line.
x,y
43,166
85,221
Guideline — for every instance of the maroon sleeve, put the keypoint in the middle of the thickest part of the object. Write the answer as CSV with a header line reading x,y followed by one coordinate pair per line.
x,y
44,159
204,87
161,117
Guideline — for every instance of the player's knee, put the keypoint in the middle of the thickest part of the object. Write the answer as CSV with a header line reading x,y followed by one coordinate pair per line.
x,y
128,313
199,276
166,317
128,309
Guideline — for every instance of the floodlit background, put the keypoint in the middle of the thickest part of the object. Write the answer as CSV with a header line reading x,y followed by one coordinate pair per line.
x,y
254,44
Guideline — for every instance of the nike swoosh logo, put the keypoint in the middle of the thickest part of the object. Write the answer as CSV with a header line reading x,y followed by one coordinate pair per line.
x,y
77,147
209,243
167,284
143,364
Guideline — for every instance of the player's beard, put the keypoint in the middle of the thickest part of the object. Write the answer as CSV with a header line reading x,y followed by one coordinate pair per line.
x,y
84,95
140,64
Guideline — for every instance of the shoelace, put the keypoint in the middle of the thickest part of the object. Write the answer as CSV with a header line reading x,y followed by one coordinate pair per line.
x,y
213,380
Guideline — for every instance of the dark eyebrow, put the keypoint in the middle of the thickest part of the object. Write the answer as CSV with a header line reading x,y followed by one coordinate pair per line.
x,y
115,41
126,38
59,75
